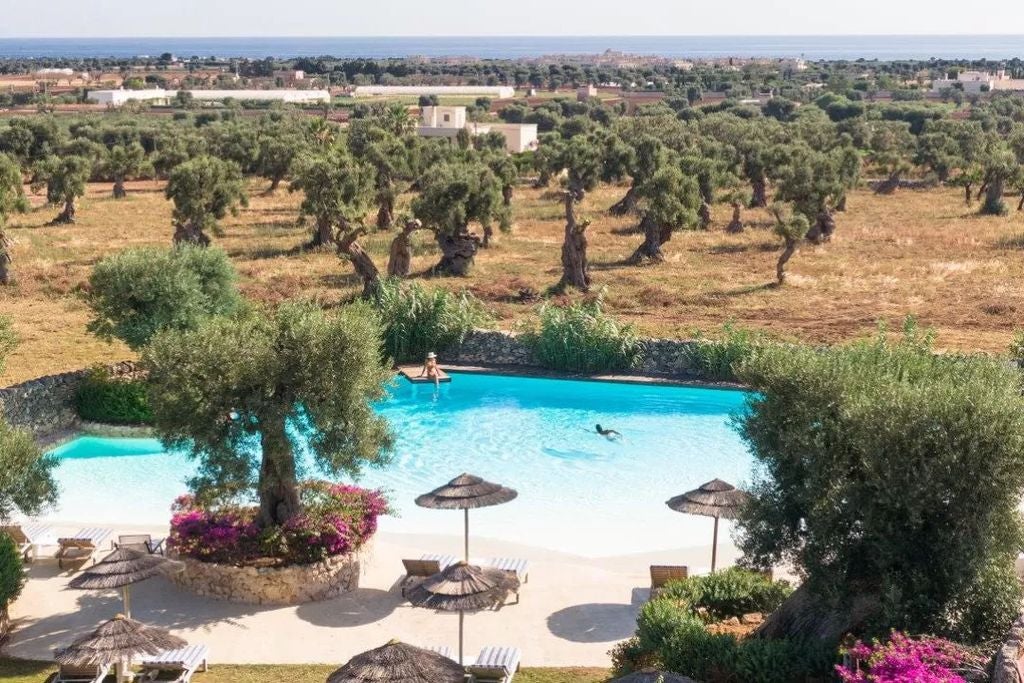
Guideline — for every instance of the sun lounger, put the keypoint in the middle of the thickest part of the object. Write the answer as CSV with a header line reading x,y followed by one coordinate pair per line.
x,y
661,575
89,673
519,567
144,543
82,546
442,650
495,665
29,536
183,663
427,565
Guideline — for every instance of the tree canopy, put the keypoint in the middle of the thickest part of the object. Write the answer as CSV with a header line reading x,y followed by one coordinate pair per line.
x,y
204,190
305,383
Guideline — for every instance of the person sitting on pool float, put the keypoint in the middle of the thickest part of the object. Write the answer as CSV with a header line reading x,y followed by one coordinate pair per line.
x,y
608,433
431,370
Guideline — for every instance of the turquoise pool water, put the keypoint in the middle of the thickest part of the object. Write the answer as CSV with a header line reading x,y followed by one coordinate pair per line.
x,y
578,492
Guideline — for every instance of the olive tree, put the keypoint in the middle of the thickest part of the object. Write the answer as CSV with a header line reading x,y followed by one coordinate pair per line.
x,y
295,380
667,201
581,159
648,157
889,477
453,195
26,474
813,183
122,162
391,160
278,149
792,228
204,190
64,179
136,293
337,189
12,199
892,146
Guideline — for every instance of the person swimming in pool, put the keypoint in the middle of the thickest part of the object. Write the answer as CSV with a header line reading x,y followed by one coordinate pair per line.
x,y
608,433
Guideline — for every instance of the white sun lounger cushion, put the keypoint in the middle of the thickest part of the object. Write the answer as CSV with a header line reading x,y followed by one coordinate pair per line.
x,y
442,650
94,535
498,662
442,560
510,564
189,658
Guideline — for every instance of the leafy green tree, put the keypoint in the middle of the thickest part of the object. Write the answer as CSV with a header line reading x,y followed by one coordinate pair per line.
x,y
65,179
648,157
278,150
12,575
792,228
391,158
175,147
12,199
234,141
136,293
813,183
889,477
582,161
306,381
122,162
204,190
668,200
892,146
26,474
452,196
1000,167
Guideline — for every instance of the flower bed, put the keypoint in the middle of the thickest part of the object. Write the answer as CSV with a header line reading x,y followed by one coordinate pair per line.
x,y
337,520
902,658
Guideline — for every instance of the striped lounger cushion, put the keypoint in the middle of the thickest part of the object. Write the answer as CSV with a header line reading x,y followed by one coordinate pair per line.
x,y
496,663
190,658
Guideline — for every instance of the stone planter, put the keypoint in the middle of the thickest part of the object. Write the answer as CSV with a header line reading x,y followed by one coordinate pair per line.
x,y
271,585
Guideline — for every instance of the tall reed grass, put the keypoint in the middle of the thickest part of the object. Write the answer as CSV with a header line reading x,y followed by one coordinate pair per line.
x,y
581,337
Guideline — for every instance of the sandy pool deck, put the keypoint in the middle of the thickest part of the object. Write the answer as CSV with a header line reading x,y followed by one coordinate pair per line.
x,y
571,613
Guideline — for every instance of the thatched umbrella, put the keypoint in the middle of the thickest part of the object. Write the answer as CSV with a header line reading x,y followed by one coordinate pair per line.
x,y
399,663
714,499
462,587
118,641
466,492
652,676
120,569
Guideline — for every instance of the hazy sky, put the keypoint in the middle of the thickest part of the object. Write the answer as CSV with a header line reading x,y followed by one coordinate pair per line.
x,y
101,18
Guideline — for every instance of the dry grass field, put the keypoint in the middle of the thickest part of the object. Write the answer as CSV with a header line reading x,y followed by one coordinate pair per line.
x,y
918,252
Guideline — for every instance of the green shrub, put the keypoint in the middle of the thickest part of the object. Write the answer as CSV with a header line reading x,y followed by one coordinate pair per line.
x,y
12,577
581,337
729,593
717,359
629,656
104,398
417,320
659,619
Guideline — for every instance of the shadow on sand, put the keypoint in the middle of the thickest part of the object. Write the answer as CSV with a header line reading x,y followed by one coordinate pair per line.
x,y
597,622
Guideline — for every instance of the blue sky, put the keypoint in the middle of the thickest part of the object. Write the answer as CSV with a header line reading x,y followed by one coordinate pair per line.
x,y
102,18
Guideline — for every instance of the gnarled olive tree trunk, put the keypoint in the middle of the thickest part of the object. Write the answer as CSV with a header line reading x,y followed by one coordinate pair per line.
x,y
507,191
67,216
119,191
890,185
759,192
627,204
575,268
823,228
400,257
705,215
736,224
655,236
364,266
188,233
788,250
994,204
323,234
385,211
5,259
457,252
278,486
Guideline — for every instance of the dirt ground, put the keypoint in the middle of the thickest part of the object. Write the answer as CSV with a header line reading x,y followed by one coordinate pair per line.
x,y
917,252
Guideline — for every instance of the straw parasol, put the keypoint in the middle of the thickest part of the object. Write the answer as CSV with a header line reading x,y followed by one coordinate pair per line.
x,y
399,663
466,492
118,641
120,569
462,587
716,499
652,676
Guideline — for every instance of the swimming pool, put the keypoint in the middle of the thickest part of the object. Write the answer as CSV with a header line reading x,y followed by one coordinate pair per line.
x,y
578,492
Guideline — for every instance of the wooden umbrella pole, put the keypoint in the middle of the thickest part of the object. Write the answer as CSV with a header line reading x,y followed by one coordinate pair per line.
x,y
127,599
466,538
714,547
462,616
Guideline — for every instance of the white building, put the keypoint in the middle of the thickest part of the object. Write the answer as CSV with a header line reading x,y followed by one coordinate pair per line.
x,y
498,91
446,122
975,82
117,98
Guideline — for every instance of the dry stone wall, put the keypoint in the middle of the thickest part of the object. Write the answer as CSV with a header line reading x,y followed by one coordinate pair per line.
x,y
271,585
46,405
1010,655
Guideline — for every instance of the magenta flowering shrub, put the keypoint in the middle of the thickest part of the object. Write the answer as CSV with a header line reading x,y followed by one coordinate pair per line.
x,y
903,659
336,519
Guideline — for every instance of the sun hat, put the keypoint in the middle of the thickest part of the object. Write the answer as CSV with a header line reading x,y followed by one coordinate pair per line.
x,y
431,355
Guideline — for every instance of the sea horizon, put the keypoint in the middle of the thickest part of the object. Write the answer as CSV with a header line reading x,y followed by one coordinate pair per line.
x,y
881,47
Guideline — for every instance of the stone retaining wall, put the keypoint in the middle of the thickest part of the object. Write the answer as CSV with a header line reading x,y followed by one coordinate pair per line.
x,y
1009,654
665,357
47,405
269,585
